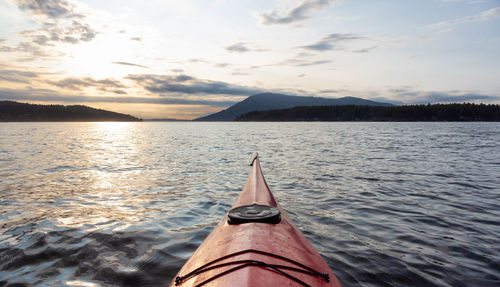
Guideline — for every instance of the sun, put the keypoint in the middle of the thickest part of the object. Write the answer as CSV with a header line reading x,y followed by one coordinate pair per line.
x,y
95,59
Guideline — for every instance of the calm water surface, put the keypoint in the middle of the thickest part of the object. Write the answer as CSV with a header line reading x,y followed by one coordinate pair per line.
x,y
386,204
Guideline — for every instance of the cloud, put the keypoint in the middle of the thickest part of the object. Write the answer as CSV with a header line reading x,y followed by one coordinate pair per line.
x,y
183,101
196,60
184,84
221,65
128,64
49,8
48,95
36,51
423,97
243,47
239,73
71,33
107,85
6,49
481,17
238,48
300,60
59,22
17,76
366,50
301,12
313,63
333,42
329,91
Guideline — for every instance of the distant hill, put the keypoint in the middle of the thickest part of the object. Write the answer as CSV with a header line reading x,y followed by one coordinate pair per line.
x,y
437,112
270,101
21,112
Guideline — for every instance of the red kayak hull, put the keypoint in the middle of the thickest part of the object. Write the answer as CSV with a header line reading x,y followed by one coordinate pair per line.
x,y
283,239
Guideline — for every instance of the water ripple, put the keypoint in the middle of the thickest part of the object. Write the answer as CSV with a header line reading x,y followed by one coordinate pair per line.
x,y
386,204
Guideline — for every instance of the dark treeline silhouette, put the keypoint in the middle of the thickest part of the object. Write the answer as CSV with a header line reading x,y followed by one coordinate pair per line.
x,y
436,112
11,111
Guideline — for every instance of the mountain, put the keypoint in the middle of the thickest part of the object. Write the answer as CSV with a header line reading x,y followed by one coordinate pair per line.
x,y
271,101
11,111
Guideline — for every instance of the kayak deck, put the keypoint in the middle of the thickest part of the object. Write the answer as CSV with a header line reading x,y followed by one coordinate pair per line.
x,y
254,253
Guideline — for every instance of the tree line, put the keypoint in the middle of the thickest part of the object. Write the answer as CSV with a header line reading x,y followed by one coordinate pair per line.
x,y
14,111
435,112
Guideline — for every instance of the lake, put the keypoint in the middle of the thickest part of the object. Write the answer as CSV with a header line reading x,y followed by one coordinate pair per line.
x,y
385,204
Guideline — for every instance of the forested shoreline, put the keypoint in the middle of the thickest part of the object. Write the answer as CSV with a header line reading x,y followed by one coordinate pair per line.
x,y
435,112
11,111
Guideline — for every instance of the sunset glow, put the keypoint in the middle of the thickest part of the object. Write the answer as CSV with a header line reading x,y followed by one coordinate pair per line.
x,y
185,59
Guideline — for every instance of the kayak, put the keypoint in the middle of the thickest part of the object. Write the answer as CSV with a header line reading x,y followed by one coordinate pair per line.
x,y
256,244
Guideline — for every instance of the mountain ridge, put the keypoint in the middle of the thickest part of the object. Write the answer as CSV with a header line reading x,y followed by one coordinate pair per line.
x,y
12,111
272,101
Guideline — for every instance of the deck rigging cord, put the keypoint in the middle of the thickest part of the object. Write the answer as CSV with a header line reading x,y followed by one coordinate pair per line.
x,y
245,263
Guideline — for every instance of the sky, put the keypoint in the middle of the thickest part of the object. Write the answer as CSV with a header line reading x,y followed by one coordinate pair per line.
x,y
189,58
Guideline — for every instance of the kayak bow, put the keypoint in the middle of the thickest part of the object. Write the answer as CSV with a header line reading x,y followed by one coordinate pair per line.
x,y
256,244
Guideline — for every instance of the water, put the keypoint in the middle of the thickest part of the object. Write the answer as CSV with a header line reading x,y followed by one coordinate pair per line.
x,y
386,204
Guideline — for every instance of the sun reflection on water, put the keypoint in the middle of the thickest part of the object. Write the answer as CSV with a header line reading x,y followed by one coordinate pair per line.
x,y
80,284
112,170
